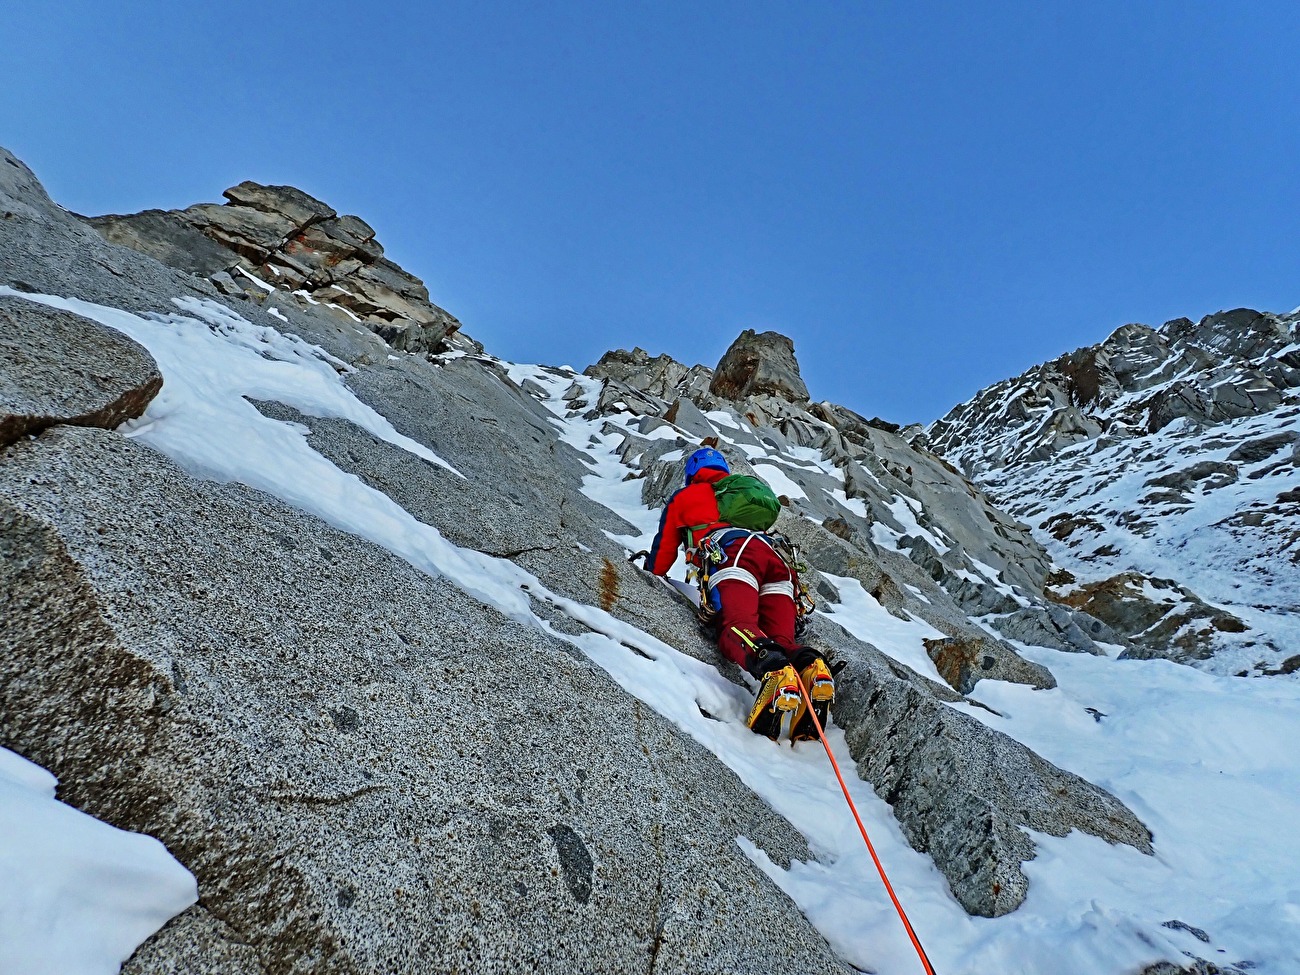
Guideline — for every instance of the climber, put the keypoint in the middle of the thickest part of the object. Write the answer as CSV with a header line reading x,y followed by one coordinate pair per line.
x,y
751,588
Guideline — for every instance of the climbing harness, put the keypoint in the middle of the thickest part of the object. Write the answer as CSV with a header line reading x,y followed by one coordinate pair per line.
x,y
706,552
789,553
889,888
703,557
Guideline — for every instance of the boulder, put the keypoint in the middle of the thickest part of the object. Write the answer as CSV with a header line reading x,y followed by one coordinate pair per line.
x,y
1262,448
759,363
58,367
964,662
1207,474
1057,627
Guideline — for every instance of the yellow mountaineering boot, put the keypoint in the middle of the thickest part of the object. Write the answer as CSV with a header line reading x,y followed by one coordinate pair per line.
x,y
778,695
820,685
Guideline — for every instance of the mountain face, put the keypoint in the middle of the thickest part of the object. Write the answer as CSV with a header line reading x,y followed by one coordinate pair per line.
x,y
1161,468
340,610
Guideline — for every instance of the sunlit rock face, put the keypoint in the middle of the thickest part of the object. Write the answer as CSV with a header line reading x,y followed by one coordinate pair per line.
x,y
280,237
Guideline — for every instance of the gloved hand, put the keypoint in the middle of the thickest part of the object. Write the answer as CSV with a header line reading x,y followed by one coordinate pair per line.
x,y
767,655
643,555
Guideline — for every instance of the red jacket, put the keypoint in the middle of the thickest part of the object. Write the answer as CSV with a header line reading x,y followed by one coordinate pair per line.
x,y
694,507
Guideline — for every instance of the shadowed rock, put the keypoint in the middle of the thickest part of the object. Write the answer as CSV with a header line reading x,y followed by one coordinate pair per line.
x,y
58,367
759,364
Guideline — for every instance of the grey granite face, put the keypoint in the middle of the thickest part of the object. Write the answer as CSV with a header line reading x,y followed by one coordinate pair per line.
x,y
366,769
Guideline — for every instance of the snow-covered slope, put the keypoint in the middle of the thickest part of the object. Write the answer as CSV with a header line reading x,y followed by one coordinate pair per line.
x,y
1162,734
1161,468
592,796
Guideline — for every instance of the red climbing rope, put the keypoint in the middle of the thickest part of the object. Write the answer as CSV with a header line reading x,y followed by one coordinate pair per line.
x,y
916,942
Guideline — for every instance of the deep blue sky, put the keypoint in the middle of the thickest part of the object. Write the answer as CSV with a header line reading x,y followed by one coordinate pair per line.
x,y
927,197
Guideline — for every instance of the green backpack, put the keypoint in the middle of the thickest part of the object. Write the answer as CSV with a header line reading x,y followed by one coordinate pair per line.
x,y
746,502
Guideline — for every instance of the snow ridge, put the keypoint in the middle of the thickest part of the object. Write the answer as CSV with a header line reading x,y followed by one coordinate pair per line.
x,y
1172,452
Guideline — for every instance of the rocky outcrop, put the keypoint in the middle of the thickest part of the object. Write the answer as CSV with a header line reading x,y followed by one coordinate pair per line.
x,y
57,367
1140,380
661,376
962,792
1198,966
1163,618
759,364
931,763
964,662
285,239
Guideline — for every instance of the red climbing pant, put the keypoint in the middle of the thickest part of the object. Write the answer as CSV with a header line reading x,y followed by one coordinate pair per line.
x,y
754,590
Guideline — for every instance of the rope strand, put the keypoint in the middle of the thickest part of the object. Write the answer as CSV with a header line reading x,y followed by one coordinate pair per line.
x,y
916,942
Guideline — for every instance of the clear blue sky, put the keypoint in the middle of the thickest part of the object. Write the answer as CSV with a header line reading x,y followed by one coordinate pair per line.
x,y
927,197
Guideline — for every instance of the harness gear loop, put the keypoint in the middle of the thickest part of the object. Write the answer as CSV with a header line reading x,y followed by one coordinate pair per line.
x,y
889,888
789,553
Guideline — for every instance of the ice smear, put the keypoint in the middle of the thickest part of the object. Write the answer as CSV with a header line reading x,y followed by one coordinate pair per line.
x,y
864,617
779,481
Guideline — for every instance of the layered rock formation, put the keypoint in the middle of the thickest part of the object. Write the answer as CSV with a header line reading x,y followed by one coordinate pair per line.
x,y
268,237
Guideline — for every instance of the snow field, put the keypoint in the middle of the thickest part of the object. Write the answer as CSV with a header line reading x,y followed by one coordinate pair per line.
x,y
77,896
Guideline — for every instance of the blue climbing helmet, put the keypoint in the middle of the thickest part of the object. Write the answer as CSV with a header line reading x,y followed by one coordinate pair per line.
x,y
705,457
